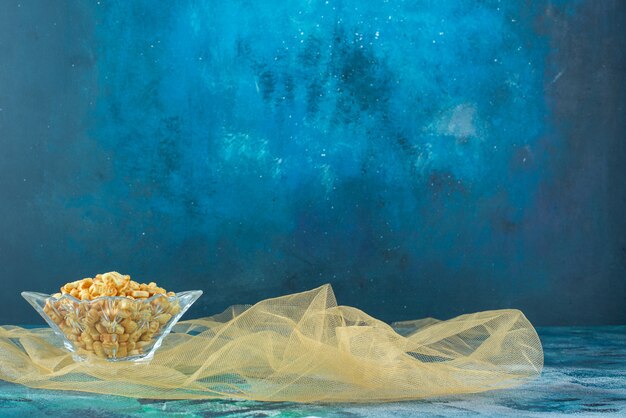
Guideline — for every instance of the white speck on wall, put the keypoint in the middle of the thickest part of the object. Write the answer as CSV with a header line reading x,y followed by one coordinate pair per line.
x,y
556,77
238,145
459,122
424,158
277,167
327,178
242,147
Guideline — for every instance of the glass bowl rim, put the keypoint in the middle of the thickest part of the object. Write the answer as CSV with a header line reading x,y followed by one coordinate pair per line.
x,y
143,300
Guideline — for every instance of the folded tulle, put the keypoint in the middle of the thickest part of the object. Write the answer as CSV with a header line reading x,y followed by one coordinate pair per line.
x,y
301,348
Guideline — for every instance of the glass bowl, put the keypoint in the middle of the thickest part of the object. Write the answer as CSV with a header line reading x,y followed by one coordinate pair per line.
x,y
114,328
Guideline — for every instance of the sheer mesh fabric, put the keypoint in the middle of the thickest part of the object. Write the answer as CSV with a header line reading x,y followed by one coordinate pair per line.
x,y
300,347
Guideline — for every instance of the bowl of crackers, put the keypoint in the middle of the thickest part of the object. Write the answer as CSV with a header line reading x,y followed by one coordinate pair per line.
x,y
112,317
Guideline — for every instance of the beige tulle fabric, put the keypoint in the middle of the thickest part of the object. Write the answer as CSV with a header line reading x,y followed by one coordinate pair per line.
x,y
302,348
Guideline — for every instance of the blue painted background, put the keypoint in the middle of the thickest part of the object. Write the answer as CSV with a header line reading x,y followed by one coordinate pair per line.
x,y
427,158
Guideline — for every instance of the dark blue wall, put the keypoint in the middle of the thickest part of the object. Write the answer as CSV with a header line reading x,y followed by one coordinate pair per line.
x,y
427,158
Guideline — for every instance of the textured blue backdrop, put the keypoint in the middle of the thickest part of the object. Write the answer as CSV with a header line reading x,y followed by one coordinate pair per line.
x,y
427,158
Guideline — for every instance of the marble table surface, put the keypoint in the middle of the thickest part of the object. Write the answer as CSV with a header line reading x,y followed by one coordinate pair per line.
x,y
584,374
